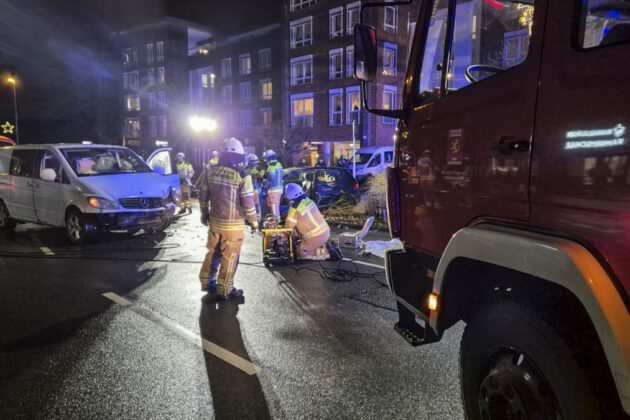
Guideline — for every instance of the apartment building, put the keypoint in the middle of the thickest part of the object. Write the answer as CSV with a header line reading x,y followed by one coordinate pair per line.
x,y
324,108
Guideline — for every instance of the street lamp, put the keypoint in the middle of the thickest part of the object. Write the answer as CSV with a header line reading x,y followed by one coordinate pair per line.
x,y
12,81
199,124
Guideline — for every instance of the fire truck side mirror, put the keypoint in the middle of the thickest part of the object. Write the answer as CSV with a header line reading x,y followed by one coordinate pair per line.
x,y
365,53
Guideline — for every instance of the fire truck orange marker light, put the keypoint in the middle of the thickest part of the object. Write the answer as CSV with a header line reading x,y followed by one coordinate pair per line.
x,y
433,302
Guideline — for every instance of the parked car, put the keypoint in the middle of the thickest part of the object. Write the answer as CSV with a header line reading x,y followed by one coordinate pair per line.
x,y
86,188
326,186
372,161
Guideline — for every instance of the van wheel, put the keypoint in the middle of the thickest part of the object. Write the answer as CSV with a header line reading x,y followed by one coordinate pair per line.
x,y
158,227
515,365
7,224
76,227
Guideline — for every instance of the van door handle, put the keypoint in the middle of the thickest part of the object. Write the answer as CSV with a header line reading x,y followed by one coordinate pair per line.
x,y
508,145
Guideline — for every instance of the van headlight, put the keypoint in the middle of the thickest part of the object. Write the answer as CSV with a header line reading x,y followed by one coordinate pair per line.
x,y
175,196
102,203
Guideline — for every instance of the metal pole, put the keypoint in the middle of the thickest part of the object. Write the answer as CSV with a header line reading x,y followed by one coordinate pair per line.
x,y
17,131
354,147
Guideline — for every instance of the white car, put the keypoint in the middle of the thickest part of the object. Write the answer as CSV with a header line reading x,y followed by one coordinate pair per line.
x,y
371,161
86,188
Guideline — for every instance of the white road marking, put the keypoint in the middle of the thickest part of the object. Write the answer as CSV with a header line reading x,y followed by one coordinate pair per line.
x,y
364,263
208,346
46,250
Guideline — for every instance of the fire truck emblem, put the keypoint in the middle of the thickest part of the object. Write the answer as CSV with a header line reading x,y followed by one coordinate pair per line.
x,y
7,128
455,146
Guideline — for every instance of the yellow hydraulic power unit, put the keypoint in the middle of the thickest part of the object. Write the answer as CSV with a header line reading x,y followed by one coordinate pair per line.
x,y
277,246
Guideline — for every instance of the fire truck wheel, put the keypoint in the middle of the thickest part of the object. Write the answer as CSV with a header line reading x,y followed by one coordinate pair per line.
x,y
515,365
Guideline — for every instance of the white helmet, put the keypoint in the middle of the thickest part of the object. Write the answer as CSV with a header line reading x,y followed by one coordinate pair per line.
x,y
215,153
270,155
294,191
181,154
232,145
252,158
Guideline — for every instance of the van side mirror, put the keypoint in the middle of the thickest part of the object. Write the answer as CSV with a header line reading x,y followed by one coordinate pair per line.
x,y
159,170
48,174
365,52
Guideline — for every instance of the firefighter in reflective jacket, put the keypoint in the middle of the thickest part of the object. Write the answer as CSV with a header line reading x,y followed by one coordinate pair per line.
x,y
273,182
215,159
256,172
185,171
229,191
311,227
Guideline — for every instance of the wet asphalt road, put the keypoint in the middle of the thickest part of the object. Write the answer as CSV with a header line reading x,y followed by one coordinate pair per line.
x,y
316,348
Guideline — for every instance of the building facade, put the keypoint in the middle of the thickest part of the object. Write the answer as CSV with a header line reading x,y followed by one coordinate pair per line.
x,y
154,83
236,81
324,109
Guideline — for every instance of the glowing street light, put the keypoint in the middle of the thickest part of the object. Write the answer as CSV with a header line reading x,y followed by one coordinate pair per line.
x,y
200,124
12,82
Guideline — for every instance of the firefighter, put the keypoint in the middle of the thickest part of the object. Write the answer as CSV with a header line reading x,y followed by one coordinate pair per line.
x,y
257,173
273,182
185,171
214,161
228,190
311,227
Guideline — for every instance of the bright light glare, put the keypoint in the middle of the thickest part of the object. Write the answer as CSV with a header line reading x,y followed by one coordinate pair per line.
x,y
433,302
199,124
11,80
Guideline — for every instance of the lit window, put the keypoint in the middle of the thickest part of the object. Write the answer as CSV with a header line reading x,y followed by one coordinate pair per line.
x,y
302,32
132,128
266,93
265,117
301,4
245,63
226,68
336,107
151,77
163,126
264,58
162,101
246,92
350,61
390,23
336,63
353,104
354,10
161,76
160,51
204,81
301,70
226,94
302,110
132,103
336,22
389,59
389,99
149,53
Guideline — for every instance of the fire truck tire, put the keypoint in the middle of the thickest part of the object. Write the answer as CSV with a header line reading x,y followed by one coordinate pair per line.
x,y
513,364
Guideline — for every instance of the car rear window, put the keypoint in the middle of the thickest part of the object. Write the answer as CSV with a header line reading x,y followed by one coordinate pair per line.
x,y
23,163
604,22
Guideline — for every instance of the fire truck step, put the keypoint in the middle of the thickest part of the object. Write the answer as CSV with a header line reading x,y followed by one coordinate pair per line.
x,y
415,334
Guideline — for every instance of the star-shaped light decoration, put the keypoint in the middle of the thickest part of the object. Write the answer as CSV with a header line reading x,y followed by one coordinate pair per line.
x,y
7,128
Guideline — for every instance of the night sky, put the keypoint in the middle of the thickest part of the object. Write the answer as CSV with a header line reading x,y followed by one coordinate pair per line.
x,y
57,49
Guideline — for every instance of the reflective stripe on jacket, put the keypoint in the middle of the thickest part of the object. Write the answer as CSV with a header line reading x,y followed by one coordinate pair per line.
x,y
231,198
307,219
274,176
185,171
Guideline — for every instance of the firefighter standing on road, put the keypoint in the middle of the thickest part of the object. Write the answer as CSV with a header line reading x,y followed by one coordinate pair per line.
x,y
229,190
273,181
311,226
257,173
185,171
214,161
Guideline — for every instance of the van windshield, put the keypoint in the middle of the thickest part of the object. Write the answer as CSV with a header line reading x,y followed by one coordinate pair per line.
x,y
362,158
99,161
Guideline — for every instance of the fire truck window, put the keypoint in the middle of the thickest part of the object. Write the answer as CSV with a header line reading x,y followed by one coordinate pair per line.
x,y
604,22
430,71
490,37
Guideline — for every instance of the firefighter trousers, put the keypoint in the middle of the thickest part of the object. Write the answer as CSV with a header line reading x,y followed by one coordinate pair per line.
x,y
224,249
273,199
314,248
186,203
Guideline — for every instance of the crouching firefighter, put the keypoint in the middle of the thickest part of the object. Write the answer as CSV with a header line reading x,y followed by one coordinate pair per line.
x,y
229,190
312,229
185,171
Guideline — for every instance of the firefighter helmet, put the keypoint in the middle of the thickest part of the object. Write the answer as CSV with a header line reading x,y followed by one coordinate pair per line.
x,y
294,191
232,145
270,155
181,154
252,158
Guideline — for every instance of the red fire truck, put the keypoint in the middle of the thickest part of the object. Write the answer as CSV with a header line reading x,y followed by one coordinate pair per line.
x,y
511,194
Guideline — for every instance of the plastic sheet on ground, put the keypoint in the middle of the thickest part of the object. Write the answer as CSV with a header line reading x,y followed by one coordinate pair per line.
x,y
378,248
